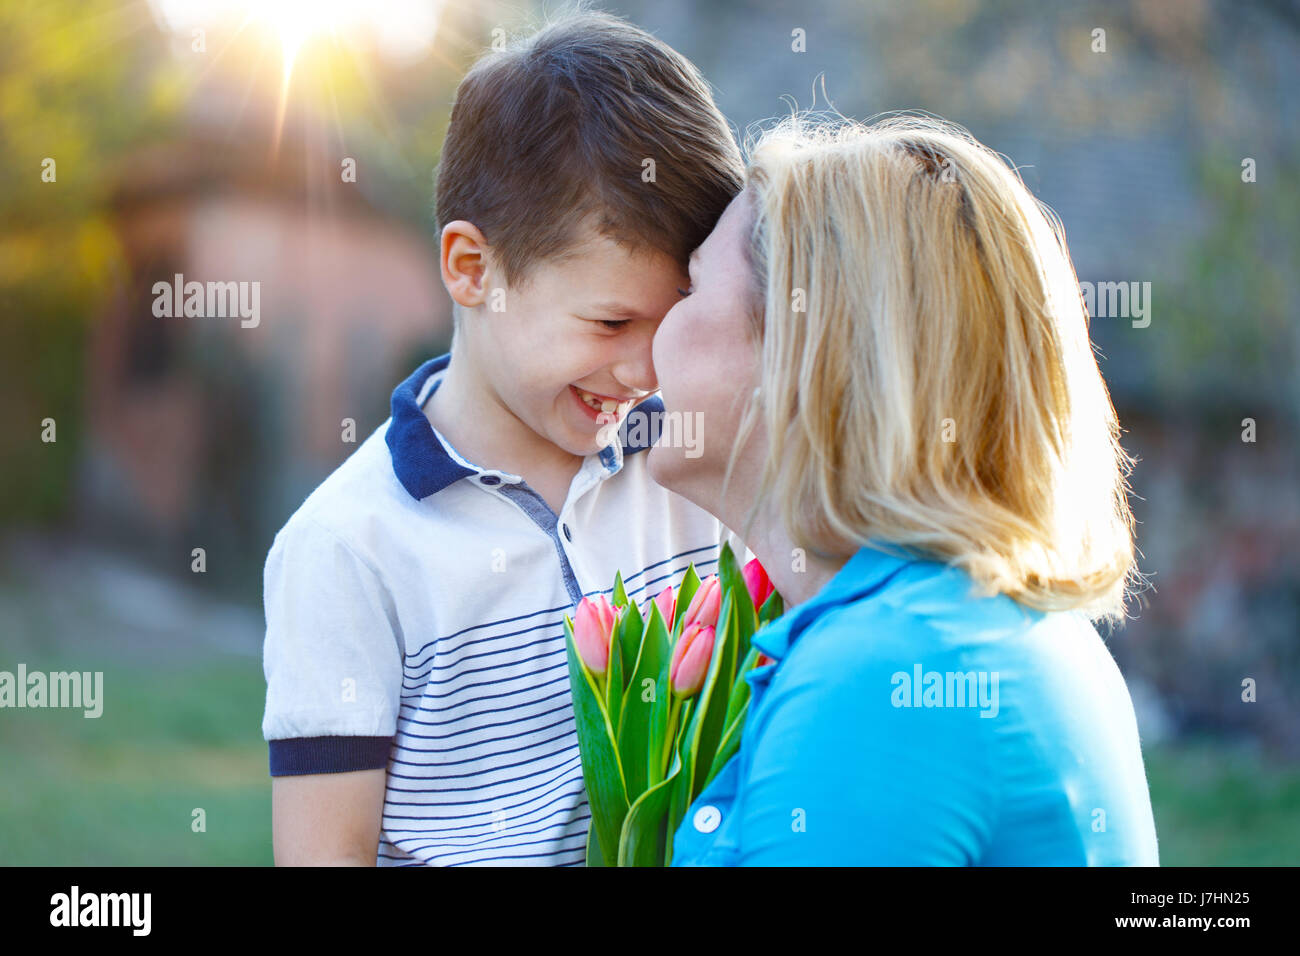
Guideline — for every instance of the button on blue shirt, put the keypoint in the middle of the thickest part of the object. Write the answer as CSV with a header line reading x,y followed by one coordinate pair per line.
x,y
908,721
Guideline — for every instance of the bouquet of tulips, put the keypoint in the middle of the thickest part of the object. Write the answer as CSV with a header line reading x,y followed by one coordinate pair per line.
x,y
660,699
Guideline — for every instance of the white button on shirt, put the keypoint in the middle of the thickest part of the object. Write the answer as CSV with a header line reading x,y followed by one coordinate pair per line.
x,y
414,609
707,818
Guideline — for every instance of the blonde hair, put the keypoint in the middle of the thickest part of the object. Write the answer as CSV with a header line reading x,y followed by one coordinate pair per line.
x,y
927,377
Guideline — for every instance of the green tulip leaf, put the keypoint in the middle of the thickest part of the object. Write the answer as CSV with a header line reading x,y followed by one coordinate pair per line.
x,y
630,632
636,738
614,681
740,688
593,848
690,584
733,583
710,711
772,608
659,750
645,827
601,769
730,744
680,786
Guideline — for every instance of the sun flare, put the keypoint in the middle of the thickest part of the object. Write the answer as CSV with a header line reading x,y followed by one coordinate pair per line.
x,y
397,29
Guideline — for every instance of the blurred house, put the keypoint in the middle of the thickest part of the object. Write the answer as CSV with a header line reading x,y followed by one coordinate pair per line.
x,y
211,427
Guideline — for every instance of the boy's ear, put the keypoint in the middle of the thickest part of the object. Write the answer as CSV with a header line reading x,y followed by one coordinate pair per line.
x,y
464,263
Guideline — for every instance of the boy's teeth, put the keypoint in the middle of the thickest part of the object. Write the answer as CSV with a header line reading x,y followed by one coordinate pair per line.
x,y
598,403
606,406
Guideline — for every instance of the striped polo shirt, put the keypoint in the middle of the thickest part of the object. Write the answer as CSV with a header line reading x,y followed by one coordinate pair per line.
x,y
414,621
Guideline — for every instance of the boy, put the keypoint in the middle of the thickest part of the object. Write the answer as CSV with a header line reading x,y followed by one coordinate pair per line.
x,y
418,707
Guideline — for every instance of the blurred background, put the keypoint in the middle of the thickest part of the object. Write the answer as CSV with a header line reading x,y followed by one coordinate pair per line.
x,y
212,138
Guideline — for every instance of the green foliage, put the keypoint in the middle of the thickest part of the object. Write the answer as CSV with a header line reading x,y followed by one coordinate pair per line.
x,y
1225,328
66,94
89,83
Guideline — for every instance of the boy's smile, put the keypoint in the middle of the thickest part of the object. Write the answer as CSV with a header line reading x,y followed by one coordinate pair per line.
x,y
545,366
604,409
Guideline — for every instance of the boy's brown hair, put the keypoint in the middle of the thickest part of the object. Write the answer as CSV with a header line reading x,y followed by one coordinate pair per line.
x,y
553,132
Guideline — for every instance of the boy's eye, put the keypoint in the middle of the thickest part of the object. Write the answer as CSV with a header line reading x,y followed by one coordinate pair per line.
x,y
613,323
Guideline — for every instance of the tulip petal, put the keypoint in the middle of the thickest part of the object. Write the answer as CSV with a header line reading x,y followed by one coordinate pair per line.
x,y
667,603
705,604
588,628
606,615
711,709
614,681
757,582
693,653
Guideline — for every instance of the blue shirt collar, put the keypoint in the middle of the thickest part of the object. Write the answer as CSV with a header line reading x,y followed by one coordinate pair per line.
x,y
868,571
421,461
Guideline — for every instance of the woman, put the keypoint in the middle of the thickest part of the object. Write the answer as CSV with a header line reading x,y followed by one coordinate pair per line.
x,y
885,338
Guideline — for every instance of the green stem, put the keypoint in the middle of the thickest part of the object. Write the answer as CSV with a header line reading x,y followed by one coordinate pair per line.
x,y
674,709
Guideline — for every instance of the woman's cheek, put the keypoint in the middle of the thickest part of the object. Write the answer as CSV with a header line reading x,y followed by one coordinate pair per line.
x,y
694,357
666,350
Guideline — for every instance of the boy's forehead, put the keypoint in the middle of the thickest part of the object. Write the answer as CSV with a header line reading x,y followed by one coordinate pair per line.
x,y
591,244
603,268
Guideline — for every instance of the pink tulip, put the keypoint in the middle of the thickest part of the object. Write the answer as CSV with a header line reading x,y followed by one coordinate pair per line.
x,y
593,626
704,606
667,602
758,583
690,662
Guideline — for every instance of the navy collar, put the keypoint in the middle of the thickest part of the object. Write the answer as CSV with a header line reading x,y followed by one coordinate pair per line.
x,y
421,461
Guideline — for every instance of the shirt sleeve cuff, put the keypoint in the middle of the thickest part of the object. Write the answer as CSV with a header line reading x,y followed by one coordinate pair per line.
x,y
299,755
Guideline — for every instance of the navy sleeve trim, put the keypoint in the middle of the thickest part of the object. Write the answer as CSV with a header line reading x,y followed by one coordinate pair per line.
x,y
299,755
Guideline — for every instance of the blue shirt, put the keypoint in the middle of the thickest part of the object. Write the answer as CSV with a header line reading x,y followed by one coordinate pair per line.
x,y
907,721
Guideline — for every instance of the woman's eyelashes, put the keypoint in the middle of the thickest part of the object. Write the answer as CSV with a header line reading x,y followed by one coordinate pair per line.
x,y
614,324
683,292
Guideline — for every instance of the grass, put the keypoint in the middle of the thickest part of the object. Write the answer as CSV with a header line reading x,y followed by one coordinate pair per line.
x,y
1221,806
122,789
